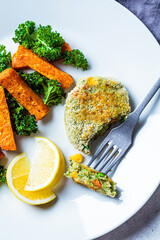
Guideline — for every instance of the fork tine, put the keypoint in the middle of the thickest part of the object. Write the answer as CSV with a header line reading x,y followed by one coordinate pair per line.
x,y
104,155
116,160
100,148
110,157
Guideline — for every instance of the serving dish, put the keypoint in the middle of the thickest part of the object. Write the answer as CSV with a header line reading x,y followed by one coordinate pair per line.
x,y
116,44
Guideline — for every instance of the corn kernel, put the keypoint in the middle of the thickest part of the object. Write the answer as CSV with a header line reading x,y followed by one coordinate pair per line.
x,y
76,157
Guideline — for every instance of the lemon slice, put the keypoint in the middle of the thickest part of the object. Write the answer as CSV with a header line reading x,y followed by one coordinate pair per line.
x,y
17,177
47,166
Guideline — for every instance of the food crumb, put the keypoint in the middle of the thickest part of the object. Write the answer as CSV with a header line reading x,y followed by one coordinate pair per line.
x,y
76,157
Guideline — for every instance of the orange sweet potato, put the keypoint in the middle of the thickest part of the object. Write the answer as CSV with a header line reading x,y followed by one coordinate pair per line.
x,y
43,67
7,141
66,47
1,155
97,183
10,80
17,63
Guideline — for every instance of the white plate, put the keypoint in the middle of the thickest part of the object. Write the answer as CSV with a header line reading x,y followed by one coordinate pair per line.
x,y
116,44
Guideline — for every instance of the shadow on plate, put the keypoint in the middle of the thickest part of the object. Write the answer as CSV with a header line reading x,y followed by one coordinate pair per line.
x,y
57,189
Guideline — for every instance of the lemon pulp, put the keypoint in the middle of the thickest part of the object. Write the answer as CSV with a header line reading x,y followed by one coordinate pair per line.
x,y
17,177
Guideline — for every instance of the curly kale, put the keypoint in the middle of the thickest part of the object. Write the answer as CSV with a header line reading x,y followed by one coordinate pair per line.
x,y
76,58
42,41
5,58
34,81
2,174
24,35
51,89
22,122
53,93
48,44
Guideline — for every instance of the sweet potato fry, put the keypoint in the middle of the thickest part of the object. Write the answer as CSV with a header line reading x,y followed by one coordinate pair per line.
x,y
10,80
17,63
43,67
66,47
1,155
7,141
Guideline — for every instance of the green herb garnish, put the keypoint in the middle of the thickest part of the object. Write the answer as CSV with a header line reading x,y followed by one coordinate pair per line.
x,y
47,44
22,122
76,58
5,58
24,34
2,174
51,89
100,175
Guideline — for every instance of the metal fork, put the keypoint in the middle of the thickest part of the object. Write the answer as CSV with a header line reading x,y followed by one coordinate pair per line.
x,y
120,138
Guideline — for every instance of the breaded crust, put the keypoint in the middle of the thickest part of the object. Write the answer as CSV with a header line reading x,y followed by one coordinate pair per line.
x,y
7,141
10,80
43,67
91,107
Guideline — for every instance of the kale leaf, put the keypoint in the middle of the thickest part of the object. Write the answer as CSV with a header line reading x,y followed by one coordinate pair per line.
x,y
5,58
76,58
24,35
51,89
48,43
34,81
22,122
53,93
42,41
2,174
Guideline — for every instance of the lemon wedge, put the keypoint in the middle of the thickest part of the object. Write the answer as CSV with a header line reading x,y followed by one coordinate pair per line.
x,y
17,177
47,166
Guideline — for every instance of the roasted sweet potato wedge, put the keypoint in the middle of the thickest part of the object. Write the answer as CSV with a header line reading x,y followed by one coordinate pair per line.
x,y
66,47
10,80
17,63
2,155
7,141
45,68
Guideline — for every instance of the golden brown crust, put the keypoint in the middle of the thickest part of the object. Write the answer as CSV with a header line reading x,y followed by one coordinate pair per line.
x,y
10,80
2,155
43,67
7,141
17,63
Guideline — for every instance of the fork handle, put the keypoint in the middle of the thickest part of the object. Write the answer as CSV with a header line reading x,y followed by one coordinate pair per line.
x,y
148,97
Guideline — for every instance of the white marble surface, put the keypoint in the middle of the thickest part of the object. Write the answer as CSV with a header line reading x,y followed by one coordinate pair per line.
x,y
144,225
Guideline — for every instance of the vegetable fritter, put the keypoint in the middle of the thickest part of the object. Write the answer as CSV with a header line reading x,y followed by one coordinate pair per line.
x,y
91,107
90,178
